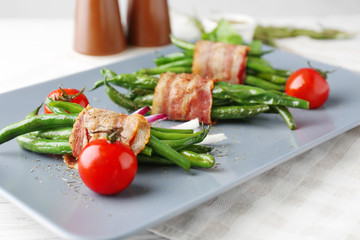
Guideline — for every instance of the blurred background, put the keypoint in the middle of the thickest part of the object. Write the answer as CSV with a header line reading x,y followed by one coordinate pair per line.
x,y
38,33
36,45
256,8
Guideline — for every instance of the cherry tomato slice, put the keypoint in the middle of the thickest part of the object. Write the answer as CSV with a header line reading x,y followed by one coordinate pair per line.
x,y
58,95
107,168
310,85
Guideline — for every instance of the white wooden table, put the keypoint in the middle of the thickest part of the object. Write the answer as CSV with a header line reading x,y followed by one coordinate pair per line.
x,y
38,50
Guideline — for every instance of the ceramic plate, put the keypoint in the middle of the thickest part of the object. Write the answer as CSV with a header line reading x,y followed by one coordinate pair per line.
x,y
44,188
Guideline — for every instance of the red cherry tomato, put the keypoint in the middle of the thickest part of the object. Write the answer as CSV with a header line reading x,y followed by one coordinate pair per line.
x,y
72,95
107,168
310,85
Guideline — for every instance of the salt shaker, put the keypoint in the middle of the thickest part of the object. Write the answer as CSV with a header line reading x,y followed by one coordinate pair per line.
x,y
98,28
148,23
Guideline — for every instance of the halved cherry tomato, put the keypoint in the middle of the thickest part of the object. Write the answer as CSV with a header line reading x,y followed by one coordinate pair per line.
x,y
68,95
308,84
107,168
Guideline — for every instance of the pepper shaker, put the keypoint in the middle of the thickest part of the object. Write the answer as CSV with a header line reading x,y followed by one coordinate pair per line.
x,y
148,23
98,28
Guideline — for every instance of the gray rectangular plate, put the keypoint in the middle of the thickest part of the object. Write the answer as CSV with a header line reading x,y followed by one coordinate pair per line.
x,y
43,187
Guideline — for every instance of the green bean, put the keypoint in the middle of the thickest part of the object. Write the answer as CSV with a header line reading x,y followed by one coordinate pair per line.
x,y
243,94
258,82
142,101
58,133
289,101
186,62
222,102
169,58
259,54
183,65
156,70
45,146
272,98
237,112
107,73
268,34
36,123
254,60
255,49
183,143
199,148
263,66
163,61
53,109
260,66
172,136
272,77
172,130
258,60
282,72
130,95
172,58
128,80
33,113
222,90
164,150
67,106
236,101
147,151
182,44
199,159
286,115
255,46
141,91
64,134
118,98
196,160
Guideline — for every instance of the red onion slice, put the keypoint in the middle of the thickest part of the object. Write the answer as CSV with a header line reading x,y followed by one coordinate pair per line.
x,y
142,111
156,117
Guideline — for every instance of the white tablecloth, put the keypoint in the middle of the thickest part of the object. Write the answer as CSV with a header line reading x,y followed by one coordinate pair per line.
x,y
313,196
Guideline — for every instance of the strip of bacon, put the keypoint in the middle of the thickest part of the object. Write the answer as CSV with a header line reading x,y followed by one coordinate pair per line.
x,y
183,97
93,123
222,61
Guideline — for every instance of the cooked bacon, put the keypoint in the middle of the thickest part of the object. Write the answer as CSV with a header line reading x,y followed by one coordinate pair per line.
x,y
222,61
93,123
70,161
183,97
